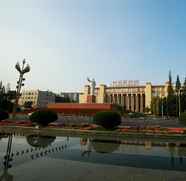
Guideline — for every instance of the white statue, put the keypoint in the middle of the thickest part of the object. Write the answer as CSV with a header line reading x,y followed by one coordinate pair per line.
x,y
92,86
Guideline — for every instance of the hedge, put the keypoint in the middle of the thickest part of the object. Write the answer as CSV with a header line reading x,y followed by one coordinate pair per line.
x,y
43,117
3,115
107,119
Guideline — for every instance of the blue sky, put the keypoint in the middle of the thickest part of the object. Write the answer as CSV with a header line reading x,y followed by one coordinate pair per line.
x,y
65,41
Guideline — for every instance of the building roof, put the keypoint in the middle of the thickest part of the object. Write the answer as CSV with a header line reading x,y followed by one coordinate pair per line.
x,y
75,108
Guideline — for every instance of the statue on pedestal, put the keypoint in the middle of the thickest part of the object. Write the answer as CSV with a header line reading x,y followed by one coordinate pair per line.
x,y
92,86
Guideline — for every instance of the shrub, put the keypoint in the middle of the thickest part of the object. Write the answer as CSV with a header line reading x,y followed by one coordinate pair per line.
x,y
183,118
43,117
3,115
107,119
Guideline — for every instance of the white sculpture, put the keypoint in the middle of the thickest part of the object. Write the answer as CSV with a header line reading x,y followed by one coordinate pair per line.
x,y
92,86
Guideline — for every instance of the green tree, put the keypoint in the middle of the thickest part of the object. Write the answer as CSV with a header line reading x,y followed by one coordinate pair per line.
x,y
155,106
183,97
5,103
43,117
178,87
171,98
170,87
184,86
178,84
107,119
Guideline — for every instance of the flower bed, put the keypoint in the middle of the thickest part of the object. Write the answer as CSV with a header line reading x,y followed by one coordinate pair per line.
x,y
154,130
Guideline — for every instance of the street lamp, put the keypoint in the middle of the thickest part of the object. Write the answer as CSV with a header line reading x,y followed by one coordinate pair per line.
x,y
25,68
162,104
179,100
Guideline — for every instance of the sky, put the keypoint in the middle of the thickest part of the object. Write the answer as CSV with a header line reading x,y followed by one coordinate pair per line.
x,y
66,41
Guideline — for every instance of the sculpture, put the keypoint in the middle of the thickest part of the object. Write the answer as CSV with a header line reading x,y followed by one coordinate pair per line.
x,y
92,86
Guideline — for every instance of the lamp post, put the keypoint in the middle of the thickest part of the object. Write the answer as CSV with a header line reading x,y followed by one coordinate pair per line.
x,y
179,102
162,111
22,69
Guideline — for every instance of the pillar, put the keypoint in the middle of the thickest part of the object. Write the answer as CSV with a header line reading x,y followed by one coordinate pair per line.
x,y
119,99
127,102
111,98
137,103
132,102
124,101
141,103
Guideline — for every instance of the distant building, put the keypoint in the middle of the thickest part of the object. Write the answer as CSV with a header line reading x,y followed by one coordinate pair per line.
x,y
37,98
129,94
70,96
59,98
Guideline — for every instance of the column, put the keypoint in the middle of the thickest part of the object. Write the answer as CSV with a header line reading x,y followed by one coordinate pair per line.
x,y
115,98
111,99
137,103
122,98
127,102
108,98
141,103
132,102
124,102
119,99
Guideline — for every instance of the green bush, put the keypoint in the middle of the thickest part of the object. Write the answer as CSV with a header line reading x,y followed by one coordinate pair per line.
x,y
183,118
43,117
107,119
3,115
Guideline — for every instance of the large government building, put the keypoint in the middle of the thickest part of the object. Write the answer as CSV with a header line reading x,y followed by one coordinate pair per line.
x,y
131,95
38,98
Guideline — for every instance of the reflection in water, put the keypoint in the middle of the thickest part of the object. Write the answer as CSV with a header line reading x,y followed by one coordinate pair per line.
x,y
172,150
40,141
19,156
181,153
100,146
85,146
123,157
104,147
7,161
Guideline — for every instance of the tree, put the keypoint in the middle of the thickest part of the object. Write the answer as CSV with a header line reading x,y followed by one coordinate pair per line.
x,y
184,87
155,105
171,98
3,115
170,87
43,117
183,97
6,98
182,118
178,87
178,84
107,119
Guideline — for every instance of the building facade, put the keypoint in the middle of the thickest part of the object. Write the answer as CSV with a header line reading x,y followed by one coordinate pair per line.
x,y
71,96
37,98
130,95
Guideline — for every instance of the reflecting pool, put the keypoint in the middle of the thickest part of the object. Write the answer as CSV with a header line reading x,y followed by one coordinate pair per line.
x,y
36,157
